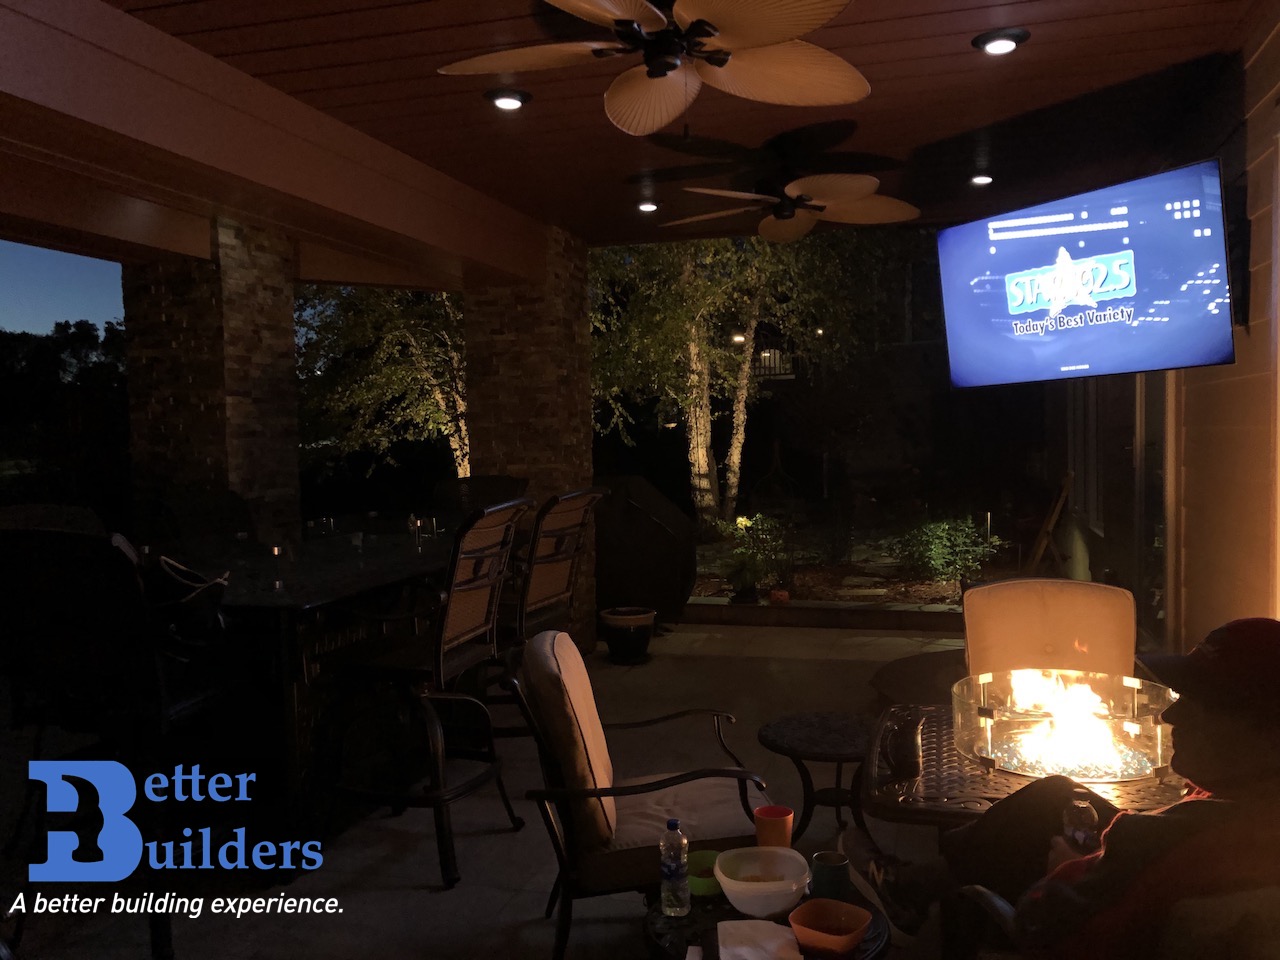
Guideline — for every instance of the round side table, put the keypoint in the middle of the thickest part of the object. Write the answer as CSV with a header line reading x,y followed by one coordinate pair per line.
x,y
824,737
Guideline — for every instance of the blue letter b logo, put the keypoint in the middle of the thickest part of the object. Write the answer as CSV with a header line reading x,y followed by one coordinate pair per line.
x,y
71,784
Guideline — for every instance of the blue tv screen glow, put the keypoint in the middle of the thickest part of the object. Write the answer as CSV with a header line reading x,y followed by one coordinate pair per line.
x,y
1120,280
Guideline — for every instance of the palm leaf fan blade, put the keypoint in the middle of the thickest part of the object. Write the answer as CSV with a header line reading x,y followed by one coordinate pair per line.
x,y
756,23
785,231
872,209
605,12
545,56
709,216
828,189
639,104
794,74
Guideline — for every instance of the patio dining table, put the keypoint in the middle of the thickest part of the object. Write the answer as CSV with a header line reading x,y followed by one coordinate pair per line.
x,y
285,609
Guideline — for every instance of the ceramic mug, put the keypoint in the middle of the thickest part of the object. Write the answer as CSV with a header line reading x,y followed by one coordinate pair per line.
x,y
773,826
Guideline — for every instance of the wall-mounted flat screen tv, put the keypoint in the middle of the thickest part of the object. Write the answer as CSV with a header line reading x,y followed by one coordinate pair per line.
x,y
1120,280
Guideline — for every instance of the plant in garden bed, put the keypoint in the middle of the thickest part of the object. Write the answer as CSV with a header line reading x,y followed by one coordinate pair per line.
x,y
761,554
944,549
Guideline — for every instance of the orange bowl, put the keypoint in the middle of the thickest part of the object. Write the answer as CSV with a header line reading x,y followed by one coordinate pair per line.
x,y
829,928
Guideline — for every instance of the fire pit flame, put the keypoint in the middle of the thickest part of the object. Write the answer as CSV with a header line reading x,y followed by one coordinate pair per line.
x,y
1090,727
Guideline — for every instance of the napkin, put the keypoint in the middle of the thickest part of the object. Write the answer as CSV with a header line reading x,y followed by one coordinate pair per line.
x,y
756,940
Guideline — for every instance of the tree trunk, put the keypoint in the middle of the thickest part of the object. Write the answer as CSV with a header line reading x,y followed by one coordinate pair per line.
x,y
741,393
702,464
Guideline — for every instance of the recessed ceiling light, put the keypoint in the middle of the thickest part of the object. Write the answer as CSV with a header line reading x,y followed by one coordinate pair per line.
x,y
646,206
980,179
1002,41
507,99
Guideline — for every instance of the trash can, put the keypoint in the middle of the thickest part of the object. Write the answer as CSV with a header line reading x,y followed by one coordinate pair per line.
x,y
626,631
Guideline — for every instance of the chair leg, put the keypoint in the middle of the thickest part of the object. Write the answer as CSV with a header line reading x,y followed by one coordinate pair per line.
x,y
551,900
563,919
444,845
516,822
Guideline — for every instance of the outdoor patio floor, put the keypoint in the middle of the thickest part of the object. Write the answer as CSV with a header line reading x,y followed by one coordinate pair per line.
x,y
384,869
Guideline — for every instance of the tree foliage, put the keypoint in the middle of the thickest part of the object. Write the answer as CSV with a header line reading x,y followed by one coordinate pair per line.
x,y
665,318
65,428
377,366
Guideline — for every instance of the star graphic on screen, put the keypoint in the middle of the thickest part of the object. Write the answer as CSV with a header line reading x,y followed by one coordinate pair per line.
x,y
1067,285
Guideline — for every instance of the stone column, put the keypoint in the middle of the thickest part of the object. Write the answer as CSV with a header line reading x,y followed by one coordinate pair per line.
x,y
212,384
529,388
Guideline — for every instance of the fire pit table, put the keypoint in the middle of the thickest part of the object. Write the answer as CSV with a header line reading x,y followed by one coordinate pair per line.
x,y
950,788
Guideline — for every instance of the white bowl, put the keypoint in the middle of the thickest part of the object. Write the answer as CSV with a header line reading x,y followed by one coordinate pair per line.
x,y
783,878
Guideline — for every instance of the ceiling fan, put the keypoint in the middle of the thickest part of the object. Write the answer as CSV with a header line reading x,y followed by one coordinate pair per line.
x,y
841,198
793,153
748,48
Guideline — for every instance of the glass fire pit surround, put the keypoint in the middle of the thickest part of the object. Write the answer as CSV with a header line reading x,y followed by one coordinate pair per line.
x,y
1092,727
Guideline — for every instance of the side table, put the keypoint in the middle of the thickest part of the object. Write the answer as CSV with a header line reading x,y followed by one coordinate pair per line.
x,y
824,737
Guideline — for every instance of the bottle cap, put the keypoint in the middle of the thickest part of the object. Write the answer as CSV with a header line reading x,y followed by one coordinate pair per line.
x,y
673,824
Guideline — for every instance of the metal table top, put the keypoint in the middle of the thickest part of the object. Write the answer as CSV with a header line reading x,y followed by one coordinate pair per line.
x,y
953,790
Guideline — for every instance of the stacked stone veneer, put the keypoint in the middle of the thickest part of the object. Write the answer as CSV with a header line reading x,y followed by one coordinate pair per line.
x,y
212,385
529,388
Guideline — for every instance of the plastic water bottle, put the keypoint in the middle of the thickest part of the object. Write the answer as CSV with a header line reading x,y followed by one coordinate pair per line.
x,y
1080,823
674,848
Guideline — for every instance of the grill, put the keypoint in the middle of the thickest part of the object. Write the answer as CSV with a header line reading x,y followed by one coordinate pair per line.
x,y
1091,727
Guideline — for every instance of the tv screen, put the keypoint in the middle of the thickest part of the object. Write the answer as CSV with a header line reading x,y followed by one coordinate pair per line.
x,y
1128,278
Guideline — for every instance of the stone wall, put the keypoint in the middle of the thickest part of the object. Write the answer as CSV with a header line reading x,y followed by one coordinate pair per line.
x,y
257,270
212,388
529,375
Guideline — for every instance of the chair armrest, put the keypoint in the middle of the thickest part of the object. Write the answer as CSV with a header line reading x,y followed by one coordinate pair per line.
x,y
450,705
651,786
717,719
999,909
636,724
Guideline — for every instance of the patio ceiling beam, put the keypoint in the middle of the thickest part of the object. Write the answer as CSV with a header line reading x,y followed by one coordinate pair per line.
x,y
168,117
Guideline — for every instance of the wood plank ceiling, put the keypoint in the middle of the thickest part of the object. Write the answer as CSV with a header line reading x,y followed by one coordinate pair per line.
x,y
372,64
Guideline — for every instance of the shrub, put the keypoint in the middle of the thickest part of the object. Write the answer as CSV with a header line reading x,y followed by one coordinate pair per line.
x,y
944,549
761,546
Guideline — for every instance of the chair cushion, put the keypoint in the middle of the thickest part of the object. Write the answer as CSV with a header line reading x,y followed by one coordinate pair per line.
x,y
558,691
710,813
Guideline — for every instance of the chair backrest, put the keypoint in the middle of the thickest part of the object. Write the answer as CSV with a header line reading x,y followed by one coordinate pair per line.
x,y
1042,623
481,551
556,546
455,499
561,709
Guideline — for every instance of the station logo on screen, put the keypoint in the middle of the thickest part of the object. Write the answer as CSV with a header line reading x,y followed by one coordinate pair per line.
x,y
1067,283
1129,278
